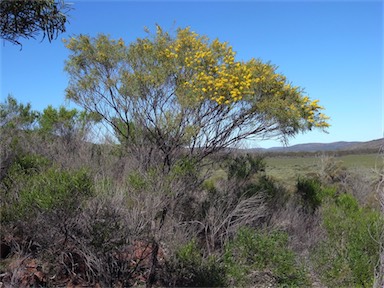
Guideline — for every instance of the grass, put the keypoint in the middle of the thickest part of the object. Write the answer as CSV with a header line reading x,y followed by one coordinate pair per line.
x,y
288,169
367,161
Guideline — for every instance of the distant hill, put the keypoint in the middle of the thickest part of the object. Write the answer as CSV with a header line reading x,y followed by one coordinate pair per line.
x,y
369,146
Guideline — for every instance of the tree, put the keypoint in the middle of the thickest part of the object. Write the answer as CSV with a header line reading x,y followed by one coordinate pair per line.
x,y
16,122
185,93
16,116
26,19
66,123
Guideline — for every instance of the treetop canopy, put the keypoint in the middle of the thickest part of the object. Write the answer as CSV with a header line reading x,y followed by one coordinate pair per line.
x,y
189,83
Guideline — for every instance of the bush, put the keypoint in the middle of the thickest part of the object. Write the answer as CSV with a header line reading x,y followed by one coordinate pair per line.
x,y
312,193
348,256
261,251
332,171
247,173
244,166
33,185
190,269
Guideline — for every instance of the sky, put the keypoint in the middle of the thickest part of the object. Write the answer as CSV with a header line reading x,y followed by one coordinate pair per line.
x,y
332,49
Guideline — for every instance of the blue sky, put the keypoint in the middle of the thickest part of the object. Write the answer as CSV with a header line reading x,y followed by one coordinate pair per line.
x,y
334,50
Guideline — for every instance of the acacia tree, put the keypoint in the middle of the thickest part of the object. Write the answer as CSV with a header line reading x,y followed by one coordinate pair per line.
x,y
26,19
185,93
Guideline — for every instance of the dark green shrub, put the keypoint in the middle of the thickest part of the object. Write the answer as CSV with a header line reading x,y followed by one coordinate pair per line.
x,y
274,194
309,191
242,167
185,166
246,170
259,251
190,269
53,189
34,186
23,166
313,193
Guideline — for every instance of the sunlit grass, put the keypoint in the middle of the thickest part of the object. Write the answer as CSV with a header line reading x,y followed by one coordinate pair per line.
x,y
289,169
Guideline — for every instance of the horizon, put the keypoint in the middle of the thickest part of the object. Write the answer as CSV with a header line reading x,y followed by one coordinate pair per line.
x,y
316,143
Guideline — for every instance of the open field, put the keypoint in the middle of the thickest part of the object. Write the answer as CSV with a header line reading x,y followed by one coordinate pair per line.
x,y
288,169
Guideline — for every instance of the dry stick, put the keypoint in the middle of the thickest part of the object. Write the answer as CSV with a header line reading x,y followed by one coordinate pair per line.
x,y
154,261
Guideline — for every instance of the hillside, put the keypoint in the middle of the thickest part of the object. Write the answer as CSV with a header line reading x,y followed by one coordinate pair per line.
x,y
369,146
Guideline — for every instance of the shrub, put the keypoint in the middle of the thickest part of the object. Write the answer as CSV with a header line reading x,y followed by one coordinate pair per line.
x,y
348,256
312,193
246,172
331,170
261,251
244,166
33,186
190,269
136,181
275,195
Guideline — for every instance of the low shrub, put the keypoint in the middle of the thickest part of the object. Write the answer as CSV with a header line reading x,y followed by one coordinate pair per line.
x,y
348,256
189,268
253,251
312,193
33,186
242,167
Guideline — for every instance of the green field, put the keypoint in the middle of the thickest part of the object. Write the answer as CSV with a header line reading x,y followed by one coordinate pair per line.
x,y
288,169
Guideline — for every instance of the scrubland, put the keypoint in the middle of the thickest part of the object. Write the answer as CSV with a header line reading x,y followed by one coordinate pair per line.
x,y
76,214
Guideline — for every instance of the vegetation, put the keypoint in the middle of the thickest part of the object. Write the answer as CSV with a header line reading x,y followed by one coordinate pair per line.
x,y
162,202
167,93
253,251
27,19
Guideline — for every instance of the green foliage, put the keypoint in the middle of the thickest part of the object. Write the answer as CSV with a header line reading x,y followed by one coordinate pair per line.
x,y
26,19
260,251
189,253
16,116
65,123
33,186
242,167
191,269
126,133
104,229
136,181
184,90
347,258
59,122
347,203
273,193
309,191
28,164
209,186
247,172
185,166
313,193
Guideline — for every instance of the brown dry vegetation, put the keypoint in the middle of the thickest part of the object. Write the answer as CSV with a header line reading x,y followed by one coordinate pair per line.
x,y
76,214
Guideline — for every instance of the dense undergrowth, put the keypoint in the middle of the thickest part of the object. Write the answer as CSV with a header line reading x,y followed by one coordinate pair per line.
x,y
75,213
